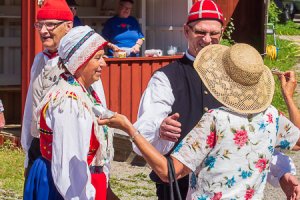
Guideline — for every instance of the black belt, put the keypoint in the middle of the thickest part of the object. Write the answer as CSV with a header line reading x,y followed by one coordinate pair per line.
x,y
96,169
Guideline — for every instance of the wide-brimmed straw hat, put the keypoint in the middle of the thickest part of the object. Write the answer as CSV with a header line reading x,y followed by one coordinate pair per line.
x,y
236,76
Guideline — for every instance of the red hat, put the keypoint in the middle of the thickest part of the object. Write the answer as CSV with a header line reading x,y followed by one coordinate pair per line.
x,y
205,9
55,9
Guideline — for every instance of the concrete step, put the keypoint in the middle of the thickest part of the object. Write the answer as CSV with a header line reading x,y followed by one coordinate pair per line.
x,y
297,16
296,20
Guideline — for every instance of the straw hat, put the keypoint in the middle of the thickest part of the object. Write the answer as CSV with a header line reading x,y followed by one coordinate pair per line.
x,y
236,76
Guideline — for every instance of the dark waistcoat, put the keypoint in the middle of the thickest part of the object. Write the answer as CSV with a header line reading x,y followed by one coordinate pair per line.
x,y
192,99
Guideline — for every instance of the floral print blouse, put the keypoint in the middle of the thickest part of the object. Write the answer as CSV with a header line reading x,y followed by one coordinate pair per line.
x,y
230,153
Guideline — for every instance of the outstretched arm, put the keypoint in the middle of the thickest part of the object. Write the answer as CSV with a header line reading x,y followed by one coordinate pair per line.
x,y
153,121
288,85
156,160
288,181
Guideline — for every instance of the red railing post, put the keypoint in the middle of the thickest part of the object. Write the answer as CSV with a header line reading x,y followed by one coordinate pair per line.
x,y
31,45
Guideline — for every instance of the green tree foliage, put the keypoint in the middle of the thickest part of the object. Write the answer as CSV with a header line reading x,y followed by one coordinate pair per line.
x,y
273,13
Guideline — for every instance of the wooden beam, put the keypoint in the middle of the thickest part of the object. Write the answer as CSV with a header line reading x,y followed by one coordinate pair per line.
x,y
31,44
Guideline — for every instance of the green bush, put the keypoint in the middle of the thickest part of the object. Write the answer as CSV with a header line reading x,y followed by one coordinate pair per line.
x,y
289,28
273,13
227,39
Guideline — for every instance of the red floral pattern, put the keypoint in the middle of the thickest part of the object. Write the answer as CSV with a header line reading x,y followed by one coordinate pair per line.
x,y
240,138
249,194
211,139
270,118
217,196
261,164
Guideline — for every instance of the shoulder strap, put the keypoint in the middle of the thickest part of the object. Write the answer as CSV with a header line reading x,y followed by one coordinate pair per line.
x,y
172,178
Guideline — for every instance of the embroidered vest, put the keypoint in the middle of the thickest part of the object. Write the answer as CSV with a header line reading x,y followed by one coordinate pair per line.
x,y
46,139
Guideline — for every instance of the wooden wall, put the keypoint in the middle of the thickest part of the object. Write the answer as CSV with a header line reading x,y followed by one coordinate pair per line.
x,y
124,82
249,21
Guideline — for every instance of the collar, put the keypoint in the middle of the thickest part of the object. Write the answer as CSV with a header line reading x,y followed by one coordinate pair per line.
x,y
189,56
73,81
49,54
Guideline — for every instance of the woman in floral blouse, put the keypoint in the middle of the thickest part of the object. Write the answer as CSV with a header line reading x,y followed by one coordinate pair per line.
x,y
229,150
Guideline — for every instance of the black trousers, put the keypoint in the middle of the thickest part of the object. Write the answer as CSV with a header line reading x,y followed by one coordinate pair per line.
x,y
162,190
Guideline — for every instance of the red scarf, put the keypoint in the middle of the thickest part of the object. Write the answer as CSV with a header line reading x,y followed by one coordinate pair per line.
x,y
50,55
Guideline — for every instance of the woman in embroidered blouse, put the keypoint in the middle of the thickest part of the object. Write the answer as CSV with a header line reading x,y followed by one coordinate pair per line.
x,y
230,148
76,151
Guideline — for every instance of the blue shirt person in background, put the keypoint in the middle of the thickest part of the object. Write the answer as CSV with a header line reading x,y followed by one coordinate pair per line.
x,y
123,31
73,6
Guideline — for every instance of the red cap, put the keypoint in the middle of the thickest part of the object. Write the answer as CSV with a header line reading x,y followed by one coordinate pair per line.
x,y
55,9
205,9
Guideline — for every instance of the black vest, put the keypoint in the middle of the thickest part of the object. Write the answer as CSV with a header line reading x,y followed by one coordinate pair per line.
x,y
192,99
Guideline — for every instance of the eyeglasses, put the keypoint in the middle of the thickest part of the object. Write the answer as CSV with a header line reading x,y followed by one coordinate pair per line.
x,y
50,26
201,33
73,8
126,7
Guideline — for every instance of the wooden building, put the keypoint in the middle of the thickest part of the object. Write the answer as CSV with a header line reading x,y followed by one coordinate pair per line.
x,y
124,80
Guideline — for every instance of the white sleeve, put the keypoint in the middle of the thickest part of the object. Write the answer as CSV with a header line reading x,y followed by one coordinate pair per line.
x,y
71,139
98,87
280,164
26,137
156,104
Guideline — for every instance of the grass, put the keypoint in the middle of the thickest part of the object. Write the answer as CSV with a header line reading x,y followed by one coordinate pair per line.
x,y
288,53
11,171
290,28
133,186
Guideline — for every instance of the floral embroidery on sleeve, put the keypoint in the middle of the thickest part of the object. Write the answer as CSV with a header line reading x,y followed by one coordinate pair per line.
x,y
212,137
210,162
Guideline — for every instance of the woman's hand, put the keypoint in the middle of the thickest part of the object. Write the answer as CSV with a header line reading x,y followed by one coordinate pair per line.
x,y
136,48
118,121
288,84
115,48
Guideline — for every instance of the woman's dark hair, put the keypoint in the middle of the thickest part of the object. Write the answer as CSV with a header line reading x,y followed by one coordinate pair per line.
x,y
130,1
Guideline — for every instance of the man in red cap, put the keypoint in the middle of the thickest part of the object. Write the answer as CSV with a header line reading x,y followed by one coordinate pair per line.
x,y
54,20
176,98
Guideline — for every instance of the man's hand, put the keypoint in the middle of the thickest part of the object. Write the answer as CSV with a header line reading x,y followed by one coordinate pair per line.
x,y
290,186
170,128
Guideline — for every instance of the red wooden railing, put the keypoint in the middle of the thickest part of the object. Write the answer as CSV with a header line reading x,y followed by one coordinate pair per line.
x,y
124,81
